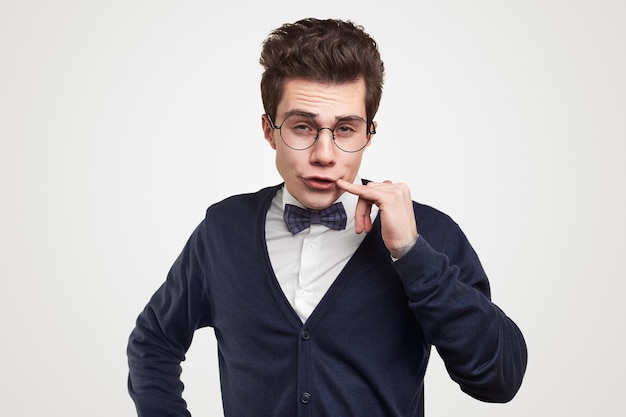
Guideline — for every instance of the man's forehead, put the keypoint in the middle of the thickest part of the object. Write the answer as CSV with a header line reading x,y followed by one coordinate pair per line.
x,y
319,99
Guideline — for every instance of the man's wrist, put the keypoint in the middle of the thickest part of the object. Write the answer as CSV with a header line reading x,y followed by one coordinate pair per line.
x,y
403,250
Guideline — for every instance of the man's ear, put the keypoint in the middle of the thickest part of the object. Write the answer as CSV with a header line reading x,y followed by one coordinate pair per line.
x,y
375,123
268,131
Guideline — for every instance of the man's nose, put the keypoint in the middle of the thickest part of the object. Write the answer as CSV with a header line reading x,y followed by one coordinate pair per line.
x,y
324,150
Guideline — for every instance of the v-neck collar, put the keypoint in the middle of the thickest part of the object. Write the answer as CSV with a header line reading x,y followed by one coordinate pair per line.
x,y
346,274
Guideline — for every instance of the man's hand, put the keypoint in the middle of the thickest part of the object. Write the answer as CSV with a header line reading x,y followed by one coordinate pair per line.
x,y
397,218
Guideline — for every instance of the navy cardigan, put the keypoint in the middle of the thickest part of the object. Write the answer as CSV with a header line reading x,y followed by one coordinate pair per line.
x,y
362,352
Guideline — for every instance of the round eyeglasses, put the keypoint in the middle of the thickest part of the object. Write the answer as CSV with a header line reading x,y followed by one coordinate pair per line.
x,y
300,131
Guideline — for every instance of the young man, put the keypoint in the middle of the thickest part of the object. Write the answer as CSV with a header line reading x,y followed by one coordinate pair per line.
x,y
325,292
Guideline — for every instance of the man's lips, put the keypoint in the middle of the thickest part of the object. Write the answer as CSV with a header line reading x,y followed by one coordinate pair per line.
x,y
319,183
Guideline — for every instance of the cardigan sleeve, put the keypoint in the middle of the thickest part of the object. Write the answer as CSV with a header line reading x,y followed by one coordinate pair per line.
x,y
483,349
163,334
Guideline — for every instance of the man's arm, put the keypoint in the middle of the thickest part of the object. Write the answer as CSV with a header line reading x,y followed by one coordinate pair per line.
x,y
163,334
483,349
448,291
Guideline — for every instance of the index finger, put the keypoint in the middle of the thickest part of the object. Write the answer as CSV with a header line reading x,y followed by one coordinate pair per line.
x,y
356,189
368,192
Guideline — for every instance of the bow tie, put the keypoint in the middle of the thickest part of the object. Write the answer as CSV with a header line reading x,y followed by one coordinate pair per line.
x,y
298,219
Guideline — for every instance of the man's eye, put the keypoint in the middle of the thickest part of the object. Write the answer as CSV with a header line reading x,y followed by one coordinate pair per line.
x,y
302,128
345,131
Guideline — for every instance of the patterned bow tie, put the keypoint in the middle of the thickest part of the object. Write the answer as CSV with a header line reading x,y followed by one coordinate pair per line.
x,y
298,219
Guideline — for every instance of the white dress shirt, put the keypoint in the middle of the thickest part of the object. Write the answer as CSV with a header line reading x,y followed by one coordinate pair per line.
x,y
307,263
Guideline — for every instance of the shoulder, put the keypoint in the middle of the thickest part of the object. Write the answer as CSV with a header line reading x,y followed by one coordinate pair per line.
x,y
428,216
435,226
243,204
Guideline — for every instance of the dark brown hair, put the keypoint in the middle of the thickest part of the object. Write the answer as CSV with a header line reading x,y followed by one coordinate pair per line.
x,y
329,51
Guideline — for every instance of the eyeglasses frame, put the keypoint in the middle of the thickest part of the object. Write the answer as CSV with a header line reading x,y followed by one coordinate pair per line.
x,y
319,129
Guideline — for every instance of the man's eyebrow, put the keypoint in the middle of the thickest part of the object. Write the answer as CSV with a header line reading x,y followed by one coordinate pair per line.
x,y
314,115
300,113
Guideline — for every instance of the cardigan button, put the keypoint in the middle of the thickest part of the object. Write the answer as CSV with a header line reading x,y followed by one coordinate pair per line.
x,y
305,335
306,397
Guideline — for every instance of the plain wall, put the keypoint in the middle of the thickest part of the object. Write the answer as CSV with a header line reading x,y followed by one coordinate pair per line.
x,y
121,121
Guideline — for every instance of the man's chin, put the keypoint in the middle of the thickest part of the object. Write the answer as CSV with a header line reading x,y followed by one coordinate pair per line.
x,y
319,201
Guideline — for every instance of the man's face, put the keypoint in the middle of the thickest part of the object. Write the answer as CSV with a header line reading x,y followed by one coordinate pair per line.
x,y
310,174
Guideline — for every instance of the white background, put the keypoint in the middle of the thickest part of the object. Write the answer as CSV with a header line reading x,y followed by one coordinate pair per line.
x,y
121,121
